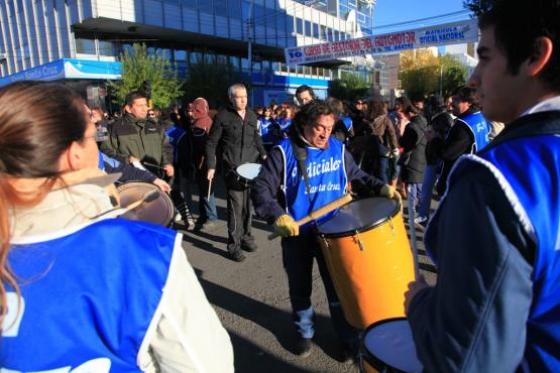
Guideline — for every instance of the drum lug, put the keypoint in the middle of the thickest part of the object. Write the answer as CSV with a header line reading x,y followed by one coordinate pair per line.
x,y
325,241
357,241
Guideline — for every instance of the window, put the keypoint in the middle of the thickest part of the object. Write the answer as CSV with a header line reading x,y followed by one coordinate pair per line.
x,y
86,46
299,26
316,31
234,8
307,31
220,7
180,55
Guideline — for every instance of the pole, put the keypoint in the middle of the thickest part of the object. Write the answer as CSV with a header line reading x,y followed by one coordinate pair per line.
x,y
441,80
250,25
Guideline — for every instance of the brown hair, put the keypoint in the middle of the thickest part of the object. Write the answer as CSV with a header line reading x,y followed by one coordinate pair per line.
x,y
38,122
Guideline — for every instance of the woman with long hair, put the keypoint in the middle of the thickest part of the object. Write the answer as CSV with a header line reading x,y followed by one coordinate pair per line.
x,y
79,290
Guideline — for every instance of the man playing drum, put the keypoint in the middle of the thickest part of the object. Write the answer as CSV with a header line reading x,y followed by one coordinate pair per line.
x,y
495,236
327,169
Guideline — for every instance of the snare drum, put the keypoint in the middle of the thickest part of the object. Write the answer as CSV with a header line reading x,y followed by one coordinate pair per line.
x,y
368,256
159,211
247,172
387,346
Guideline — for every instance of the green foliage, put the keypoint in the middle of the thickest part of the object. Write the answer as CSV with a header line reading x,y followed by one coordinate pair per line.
x,y
478,6
350,87
419,81
137,67
211,81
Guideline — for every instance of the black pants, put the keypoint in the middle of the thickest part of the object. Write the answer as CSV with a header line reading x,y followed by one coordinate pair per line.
x,y
239,217
297,254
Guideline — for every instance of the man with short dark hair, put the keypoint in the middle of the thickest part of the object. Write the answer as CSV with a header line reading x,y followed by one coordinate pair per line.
x,y
285,192
235,129
134,137
468,134
304,94
495,237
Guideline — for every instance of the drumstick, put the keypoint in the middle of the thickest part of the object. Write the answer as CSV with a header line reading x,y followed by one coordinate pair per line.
x,y
209,188
321,211
147,197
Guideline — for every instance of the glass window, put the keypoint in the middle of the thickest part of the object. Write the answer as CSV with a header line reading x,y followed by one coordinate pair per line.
x,y
299,26
307,31
205,6
336,35
234,8
316,34
281,23
220,7
106,48
180,55
245,7
289,24
86,46
191,4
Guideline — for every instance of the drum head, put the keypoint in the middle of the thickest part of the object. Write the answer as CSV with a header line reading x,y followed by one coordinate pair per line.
x,y
159,211
359,216
390,343
249,171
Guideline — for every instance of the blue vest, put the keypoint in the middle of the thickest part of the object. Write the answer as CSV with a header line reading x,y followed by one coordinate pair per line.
x,y
265,125
327,178
347,122
531,167
525,159
174,135
88,298
480,129
104,159
284,124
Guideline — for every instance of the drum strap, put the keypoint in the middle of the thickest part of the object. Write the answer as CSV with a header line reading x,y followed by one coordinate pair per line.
x,y
300,152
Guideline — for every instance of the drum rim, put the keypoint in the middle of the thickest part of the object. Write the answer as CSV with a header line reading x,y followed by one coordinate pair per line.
x,y
364,229
376,362
162,195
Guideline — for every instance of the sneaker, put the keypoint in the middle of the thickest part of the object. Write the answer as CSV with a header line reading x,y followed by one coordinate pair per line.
x,y
236,256
189,223
208,225
302,348
249,246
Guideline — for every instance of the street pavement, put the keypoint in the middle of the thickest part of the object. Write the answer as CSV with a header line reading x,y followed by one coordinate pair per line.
x,y
251,299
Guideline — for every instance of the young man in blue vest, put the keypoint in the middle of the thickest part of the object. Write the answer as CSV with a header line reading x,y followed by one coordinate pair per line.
x,y
496,235
468,134
329,168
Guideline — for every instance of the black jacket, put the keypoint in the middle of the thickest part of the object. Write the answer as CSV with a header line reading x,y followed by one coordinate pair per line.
x,y
239,140
459,141
414,143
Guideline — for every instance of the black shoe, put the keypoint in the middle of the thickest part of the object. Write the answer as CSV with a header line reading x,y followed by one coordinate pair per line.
x,y
302,348
250,246
347,354
236,256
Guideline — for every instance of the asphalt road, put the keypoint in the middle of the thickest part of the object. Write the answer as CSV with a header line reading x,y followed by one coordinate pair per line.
x,y
251,299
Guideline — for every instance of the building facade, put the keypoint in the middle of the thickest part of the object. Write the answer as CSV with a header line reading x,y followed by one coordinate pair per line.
x,y
35,33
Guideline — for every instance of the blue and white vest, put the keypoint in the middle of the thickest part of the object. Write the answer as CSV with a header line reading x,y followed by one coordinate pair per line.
x,y
284,124
175,135
104,159
327,178
347,122
88,300
479,128
265,125
526,164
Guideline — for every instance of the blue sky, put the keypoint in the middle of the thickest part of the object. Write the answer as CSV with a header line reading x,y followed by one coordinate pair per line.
x,y
396,11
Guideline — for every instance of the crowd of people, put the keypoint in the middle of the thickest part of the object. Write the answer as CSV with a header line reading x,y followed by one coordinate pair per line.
x,y
104,294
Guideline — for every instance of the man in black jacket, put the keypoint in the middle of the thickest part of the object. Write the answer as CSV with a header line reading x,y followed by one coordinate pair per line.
x,y
461,138
235,130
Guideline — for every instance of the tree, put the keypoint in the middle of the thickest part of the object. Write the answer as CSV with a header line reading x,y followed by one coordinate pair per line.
x,y
139,67
423,72
211,80
350,87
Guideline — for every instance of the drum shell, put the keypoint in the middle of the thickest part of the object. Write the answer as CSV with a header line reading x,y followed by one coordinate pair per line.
x,y
371,280
159,211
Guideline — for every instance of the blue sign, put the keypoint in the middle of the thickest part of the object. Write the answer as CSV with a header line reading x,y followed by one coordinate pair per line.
x,y
68,68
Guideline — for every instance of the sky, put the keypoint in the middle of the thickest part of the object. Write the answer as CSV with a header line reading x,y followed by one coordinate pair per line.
x,y
388,12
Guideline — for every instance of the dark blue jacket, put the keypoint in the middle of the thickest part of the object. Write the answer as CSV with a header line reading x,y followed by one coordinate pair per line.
x,y
494,238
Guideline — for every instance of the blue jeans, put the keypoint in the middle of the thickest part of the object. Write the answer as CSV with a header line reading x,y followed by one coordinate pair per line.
x,y
414,192
430,178
206,206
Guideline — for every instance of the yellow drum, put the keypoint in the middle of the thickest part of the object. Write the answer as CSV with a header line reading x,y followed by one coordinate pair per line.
x,y
368,255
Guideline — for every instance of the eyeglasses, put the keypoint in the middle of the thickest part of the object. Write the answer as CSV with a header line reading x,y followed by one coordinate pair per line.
x,y
360,102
